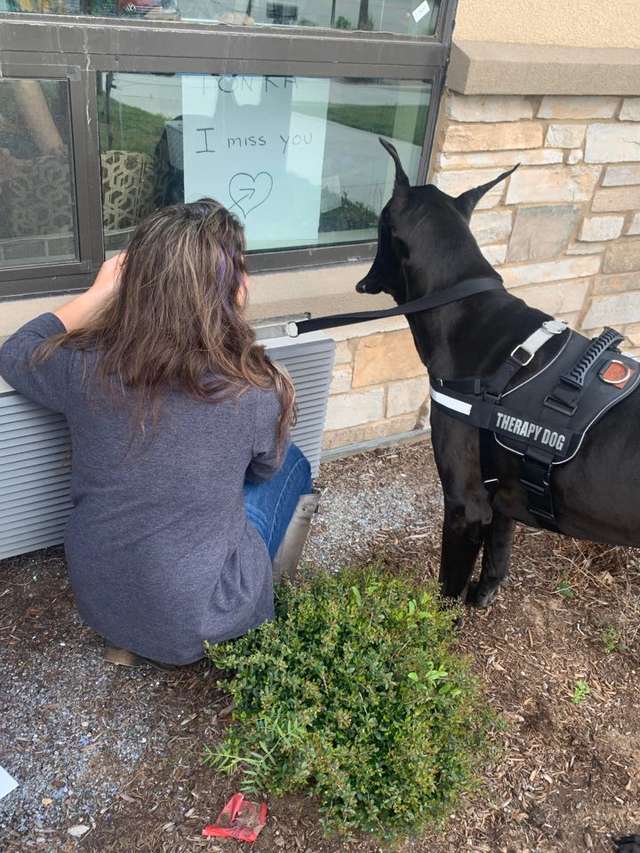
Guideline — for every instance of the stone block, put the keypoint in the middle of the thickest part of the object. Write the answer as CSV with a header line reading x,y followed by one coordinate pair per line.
x,y
343,354
634,225
612,143
574,156
385,357
490,108
406,396
632,331
574,106
559,298
620,283
565,135
455,182
542,232
623,256
341,380
572,319
620,176
613,310
367,432
552,184
596,228
491,226
630,110
358,407
585,248
496,254
484,159
492,137
616,198
578,267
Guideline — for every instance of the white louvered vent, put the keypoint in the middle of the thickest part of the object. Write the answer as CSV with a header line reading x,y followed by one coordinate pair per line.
x,y
35,453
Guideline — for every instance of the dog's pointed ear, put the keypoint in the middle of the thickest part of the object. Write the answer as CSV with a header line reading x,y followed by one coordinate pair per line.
x,y
468,200
401,185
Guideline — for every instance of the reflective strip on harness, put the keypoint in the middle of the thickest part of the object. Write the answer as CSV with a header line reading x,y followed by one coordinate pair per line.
x,y
451,403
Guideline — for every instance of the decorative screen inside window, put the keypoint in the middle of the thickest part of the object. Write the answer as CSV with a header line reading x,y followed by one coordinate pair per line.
x,y
37,207
297,159
416,18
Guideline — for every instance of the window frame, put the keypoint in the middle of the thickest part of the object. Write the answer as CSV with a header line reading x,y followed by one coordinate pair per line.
x,y
78,48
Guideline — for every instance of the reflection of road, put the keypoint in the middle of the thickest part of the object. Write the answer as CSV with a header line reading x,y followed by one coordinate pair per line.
x,y
163,95
149,92
365,171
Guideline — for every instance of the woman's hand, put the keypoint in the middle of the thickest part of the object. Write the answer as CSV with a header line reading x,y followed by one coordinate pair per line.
x,y
81,310
108,278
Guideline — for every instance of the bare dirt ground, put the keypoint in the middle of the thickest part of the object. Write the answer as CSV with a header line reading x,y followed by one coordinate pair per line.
x,y
119,751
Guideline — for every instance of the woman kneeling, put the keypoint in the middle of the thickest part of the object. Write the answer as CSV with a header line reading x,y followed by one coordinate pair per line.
x,y
177,421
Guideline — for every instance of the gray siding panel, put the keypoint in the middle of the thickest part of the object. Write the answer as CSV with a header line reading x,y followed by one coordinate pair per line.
x,y
35,451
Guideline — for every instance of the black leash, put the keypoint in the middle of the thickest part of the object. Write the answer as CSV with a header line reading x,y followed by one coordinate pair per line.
x,y
462,290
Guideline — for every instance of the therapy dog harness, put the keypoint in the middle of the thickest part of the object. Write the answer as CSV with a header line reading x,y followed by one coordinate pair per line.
x,y
544,417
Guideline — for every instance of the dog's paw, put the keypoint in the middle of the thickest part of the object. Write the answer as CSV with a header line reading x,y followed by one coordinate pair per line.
x,y
629,844
477,597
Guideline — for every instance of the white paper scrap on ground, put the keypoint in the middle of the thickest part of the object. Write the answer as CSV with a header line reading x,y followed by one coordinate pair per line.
x,y
7,783
420,11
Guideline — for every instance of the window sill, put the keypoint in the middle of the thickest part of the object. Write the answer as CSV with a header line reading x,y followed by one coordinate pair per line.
x,y
496,68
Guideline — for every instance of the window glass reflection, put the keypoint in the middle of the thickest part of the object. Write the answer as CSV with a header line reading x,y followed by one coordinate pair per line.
x,y
296,158
37,208
415,18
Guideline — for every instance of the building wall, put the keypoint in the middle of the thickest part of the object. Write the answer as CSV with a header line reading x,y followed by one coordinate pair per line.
x,y
572,23
563,231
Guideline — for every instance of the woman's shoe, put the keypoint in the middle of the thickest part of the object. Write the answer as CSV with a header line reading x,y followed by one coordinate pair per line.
x,y
122,657
288,556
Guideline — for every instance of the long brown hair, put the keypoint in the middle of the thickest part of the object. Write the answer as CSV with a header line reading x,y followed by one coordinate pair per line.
x,y
176,321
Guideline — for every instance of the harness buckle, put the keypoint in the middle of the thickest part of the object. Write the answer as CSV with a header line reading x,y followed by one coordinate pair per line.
x,y
528,355
560,407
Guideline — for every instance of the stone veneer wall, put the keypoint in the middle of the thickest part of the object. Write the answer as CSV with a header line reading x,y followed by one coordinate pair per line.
x,y
563,230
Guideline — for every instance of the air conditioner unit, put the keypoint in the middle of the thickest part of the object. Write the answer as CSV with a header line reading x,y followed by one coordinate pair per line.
x,y
35,451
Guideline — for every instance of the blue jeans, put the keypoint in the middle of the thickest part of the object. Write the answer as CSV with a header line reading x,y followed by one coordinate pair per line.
x,y
270,506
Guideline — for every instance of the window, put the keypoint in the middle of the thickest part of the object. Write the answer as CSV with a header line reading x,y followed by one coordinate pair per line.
x,y
297,159
415,18
274,107
36,177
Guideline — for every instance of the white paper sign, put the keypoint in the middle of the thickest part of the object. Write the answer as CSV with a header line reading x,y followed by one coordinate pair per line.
x,y
256,144
7,783
420,11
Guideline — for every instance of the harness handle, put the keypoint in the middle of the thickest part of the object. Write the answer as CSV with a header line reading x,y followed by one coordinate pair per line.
x,y
461,290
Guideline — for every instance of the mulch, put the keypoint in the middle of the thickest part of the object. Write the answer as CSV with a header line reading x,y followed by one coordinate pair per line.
x,y
120,751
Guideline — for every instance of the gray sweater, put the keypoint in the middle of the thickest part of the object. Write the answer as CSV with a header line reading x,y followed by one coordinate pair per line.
x,y
160,553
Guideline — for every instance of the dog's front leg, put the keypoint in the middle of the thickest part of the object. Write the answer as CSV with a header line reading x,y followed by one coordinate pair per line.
x,y
496,556
461,542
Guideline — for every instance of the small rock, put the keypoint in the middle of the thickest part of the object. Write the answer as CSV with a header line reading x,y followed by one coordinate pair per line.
x,y
46,801
78,830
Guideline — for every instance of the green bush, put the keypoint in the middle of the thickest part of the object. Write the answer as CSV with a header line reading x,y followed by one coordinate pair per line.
x,y
354,694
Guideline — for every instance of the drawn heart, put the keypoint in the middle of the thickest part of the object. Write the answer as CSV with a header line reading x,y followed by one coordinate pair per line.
x,y
248,191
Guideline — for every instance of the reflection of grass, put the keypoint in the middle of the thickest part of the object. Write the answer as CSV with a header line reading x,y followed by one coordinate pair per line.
x,y
132,129
405,122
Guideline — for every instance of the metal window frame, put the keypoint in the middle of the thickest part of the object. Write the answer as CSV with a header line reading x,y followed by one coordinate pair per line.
x,y
78,48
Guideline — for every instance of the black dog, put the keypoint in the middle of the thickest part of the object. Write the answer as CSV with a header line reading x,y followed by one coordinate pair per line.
x,y
629,844
425,245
